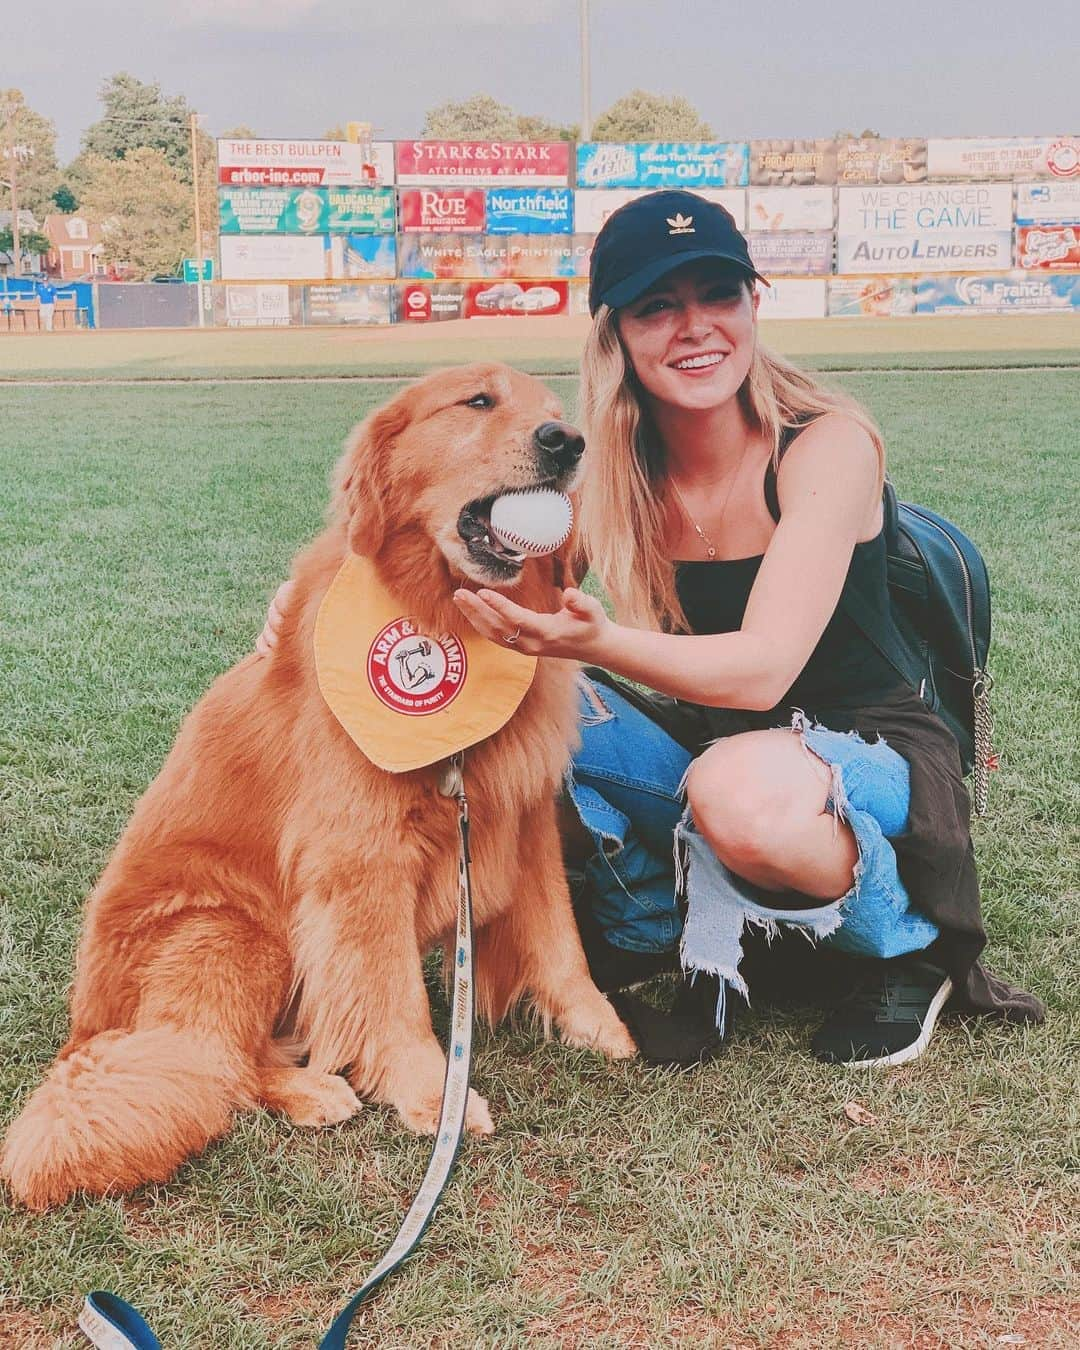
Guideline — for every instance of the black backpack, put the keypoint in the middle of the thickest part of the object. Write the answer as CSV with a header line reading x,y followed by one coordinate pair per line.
x,y
940,632
937,633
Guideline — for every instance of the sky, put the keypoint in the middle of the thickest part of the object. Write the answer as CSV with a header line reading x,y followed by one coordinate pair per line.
x,y
773,68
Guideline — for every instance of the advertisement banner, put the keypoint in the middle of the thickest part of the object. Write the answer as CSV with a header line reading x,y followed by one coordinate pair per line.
x,y
790,208
548,255
424,302
446,210
371,257
796,253
879,160
453,257
871,297
1009,293
791,298
733,200
271,257
543,162
603,165
1048,203
510,298
1011,157
338,304
929,228
427,302
437,257
787,163
530,211
663,164
1048,247
592,207
306,210
256,163
693,164
579,299
257,306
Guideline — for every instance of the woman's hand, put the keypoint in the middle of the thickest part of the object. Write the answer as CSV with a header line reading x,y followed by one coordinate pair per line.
x,y
275,617
576,631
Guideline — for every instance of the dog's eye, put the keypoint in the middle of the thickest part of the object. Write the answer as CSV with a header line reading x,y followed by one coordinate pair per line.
x,y
480,401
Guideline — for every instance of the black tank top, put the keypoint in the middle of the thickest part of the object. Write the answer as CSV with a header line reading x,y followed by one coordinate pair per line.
x,y
845,670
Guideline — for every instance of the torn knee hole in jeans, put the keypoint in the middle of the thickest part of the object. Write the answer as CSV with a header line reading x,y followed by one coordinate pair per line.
x,y
836,803
870,793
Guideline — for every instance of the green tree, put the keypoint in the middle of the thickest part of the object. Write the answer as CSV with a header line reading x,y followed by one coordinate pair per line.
x,y
139,115
335,133
30,242
244,133
145,210
483,118
480,118
540,129
641,116
65,200
27,153
857,135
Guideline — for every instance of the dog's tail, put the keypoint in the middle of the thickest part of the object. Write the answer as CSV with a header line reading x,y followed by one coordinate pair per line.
x,y
121,1108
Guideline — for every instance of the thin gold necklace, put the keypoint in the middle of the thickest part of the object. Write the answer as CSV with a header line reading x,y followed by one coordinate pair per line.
x,y
710,547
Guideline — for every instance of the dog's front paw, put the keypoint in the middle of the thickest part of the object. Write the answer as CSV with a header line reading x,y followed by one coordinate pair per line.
x,y
423,1117
597,1027
308,1097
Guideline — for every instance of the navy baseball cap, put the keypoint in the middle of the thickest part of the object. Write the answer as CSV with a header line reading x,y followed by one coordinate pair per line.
x,y
651,236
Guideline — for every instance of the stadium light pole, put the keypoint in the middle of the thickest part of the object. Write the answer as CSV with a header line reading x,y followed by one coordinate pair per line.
x,y
586,116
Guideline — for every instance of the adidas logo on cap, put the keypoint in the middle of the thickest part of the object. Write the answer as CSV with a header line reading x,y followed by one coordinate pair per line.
x,y
681,224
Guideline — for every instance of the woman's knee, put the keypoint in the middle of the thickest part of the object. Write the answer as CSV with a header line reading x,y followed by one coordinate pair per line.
x,y
738,818
746,798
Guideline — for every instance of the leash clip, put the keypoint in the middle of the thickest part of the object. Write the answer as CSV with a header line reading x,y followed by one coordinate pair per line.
x,y
452,782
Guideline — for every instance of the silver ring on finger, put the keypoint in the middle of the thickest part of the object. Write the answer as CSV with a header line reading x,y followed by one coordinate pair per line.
x,y
511,638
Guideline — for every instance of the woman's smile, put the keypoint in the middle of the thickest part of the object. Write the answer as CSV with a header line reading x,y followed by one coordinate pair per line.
x,y
704,363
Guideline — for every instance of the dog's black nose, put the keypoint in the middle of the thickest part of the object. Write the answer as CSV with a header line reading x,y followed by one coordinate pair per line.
x,y
561,442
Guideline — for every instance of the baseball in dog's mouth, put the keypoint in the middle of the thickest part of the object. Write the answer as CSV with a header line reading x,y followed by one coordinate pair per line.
x,y
474,527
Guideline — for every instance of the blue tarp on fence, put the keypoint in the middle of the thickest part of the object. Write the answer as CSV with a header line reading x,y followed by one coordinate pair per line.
x,y
82,292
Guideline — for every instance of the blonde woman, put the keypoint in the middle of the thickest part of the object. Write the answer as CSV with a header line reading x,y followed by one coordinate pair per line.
x,y
729,505
730,502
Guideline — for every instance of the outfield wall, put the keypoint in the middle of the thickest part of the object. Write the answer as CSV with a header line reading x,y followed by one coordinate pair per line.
x,y
376,232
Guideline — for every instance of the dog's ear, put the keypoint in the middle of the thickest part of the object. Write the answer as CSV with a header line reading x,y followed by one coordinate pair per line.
x,y
364,477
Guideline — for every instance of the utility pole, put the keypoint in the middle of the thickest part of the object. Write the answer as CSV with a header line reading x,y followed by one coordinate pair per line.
x,y
586,116
11,154
198,216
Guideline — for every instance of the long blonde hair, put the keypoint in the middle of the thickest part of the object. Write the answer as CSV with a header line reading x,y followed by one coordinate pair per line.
x,y
623,505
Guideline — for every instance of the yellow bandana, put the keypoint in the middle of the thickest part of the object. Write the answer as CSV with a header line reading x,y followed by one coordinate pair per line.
x,y
409,698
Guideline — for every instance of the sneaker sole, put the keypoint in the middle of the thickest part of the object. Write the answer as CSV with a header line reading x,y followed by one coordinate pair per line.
x,y
917,1047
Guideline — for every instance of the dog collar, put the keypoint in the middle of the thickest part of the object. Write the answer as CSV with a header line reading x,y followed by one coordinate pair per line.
x,y
407,697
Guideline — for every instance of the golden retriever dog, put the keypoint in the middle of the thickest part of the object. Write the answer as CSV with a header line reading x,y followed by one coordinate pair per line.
x,y
261,924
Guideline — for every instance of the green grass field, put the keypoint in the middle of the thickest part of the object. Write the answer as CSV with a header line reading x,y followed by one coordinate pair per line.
x,y
142,532
545,346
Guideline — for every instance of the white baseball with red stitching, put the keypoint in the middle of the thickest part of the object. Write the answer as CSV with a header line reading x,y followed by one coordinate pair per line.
x,y
533,521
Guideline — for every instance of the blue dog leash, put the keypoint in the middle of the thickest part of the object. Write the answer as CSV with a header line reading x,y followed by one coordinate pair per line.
x,y
111,1324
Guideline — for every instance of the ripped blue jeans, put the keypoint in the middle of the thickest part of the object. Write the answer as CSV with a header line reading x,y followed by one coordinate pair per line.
x,y
651,867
